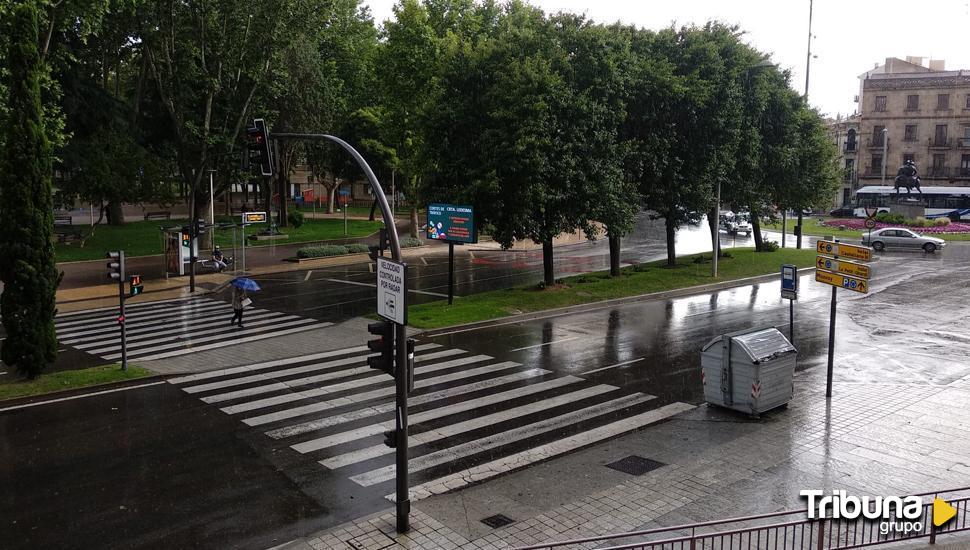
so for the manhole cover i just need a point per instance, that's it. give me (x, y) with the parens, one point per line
(498, 520)
(635, 465)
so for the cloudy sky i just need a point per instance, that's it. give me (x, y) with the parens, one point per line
(850, 36)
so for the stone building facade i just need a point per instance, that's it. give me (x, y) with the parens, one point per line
(923, 112)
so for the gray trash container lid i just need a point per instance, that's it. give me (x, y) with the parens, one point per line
(759, 344)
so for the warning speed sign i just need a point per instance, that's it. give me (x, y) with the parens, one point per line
(870, 223)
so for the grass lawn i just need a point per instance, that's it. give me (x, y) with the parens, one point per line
(635, 280)
(71, 379)
(143, 238)
(810, 226)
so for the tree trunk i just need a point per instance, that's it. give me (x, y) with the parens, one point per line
(414, 221)
(116, 215)
(331, 199)
(283, 179)
(798, 228)
(614, 255)
(759, 244)
(373, 208)
(671, 242)
(548, 266)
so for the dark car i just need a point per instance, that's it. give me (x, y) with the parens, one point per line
(843, 212)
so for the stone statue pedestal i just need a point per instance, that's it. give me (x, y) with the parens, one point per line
(910, 208)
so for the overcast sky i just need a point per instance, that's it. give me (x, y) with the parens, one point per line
(850, 36)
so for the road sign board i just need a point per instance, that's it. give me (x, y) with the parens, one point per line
(452, 223)
(843, 267)
(842, 281)
(844, 250)
(870, 223)
(789, 282)
(392, 290)
(254, 217)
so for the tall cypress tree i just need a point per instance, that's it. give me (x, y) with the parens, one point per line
(27, 265)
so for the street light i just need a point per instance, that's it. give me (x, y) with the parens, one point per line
(212, 208)
(885, 144)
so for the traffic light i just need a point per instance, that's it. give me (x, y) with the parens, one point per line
(186, 235)
(390, 438)
(199, 227)
(116, 265)
(136, 287)
(259, 146)
(383, 345)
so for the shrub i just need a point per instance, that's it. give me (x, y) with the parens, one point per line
(357, 248)
(321, 251)
(887, 217)
(410, 242)
(295, 218)
(769, 246)
(942, 221)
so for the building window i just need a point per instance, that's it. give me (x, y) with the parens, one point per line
(968, 101)
(875, 169)
(940, 137)
(965, 165)
(849, 169)
(877, 135)
(910, 133)
(939, 165)
(850, 140)
(880, 103)
(912, 102)
(942, 102)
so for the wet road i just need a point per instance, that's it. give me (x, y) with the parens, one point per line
(255, 456)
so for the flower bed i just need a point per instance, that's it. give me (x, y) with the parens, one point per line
(859, 225)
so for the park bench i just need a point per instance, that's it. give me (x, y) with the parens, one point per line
(160, 215)
(67, 233)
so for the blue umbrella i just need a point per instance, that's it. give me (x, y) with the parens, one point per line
(244, 283)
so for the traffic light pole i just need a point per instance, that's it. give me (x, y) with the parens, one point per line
(403, 502)
(122, 322)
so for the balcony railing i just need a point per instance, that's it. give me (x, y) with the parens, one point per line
(937, 172)
(875, 143)
(963, 143)
(964, 172)
(876, 171)
(851, 146)
(940, 143)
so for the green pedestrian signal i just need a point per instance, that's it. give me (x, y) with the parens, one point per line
(135, 287)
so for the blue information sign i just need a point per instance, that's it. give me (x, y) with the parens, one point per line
(789, 282)
(452, 223)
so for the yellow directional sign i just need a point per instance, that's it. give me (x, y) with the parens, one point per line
(843, 250)
(852, 269)
(943, 511)
(842, 281)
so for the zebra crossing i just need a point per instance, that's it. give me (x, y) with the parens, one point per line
(472, 416)
(168, 328)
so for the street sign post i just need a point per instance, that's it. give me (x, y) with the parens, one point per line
(831, 269)
(392, 290)
(247, 219)
(453, 224)
(789, 291)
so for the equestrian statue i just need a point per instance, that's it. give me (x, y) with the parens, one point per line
(908, 177)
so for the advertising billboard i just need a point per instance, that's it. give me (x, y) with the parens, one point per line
(452, 223)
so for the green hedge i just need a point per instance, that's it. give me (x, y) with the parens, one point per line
(321, 251)
(357, 248)
(410, 242)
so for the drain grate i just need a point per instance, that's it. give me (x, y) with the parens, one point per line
(498, 520)
(635, 465)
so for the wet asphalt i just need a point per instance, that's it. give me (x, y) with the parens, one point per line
(155, 467)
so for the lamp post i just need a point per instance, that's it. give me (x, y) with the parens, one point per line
(212, 209)
(885, 144)
(808, 67)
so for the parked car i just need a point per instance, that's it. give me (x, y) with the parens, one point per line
(901, 237)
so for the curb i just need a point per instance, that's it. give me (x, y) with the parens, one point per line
(593, 306)
(40, 398)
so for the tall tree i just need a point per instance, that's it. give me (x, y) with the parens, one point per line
(27, 266)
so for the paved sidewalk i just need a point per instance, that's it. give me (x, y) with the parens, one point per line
(870, 439)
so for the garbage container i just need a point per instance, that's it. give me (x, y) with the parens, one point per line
(751, 371)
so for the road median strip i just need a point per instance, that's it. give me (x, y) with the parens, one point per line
(61, 383)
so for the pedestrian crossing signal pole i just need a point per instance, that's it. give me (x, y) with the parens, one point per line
(116, 272)
(402, 377)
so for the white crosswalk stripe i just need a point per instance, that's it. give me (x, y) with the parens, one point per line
(470, 411)
(156, 330)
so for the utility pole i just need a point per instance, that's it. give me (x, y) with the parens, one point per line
(808, 68)
(716, 234)
(885, 146)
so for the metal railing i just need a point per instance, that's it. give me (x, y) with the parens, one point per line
(876, 142)
(791, 530)
(935, 143)
(963, 143)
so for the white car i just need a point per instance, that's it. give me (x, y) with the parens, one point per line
(736, 222)
(901, 237)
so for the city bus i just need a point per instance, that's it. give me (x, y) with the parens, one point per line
(952, 202)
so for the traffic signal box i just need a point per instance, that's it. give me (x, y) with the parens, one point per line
(258, 145)
(135, 287)
(186, 235)
(116, 265)
(384, 345)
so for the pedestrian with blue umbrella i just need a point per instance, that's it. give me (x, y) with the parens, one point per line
(240, 298)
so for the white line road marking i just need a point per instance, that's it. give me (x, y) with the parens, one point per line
(424, 260)
(467, 426)
(144, 314)
(265, 365)
(455, 408)
(506, 464)
(222, 338)
(500, 439)
(308, 273)
(354, 384)
(290, 372)
(630, 362)
(547, 343)
(232, 342)
(389, 392)
(187, 324)
(92, 394)
(141, 305)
